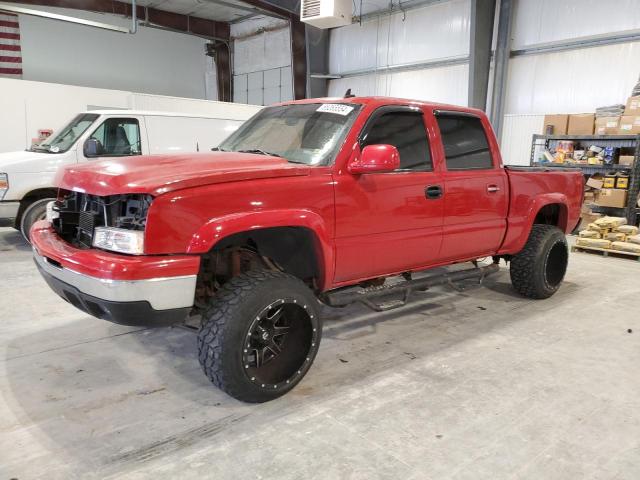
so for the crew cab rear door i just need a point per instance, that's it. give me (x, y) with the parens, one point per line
(390, 222)
(476, 197)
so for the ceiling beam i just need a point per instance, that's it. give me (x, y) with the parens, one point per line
(174, 21)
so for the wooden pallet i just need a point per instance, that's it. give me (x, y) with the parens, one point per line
(606, 251)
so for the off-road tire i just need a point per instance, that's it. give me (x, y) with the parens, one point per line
(226, 323)
(34, 212)
(538, 270)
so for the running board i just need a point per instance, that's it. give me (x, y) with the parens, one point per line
(342, 298)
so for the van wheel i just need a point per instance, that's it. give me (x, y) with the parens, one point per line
(34, 212)
(538, 270)
(259, 335)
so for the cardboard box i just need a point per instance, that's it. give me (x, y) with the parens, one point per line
(629, 125)
(612, 197)
(558, 122)
(607, 125)
(625, 159)
(581, 124)
(633, 106)
(595, 182)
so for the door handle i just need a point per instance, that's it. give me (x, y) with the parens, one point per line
(493, 188)
(433, 192)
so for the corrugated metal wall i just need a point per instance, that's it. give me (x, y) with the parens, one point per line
(262, 61)
(404, 41)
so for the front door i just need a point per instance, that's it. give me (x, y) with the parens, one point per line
(115, 137)
(390, 222)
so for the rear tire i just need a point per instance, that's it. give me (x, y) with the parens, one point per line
(538, 270)
(259, 335)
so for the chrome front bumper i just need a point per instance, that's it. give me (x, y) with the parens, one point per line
(161, 293)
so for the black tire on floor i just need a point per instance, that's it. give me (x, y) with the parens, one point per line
(538, 270)
(34, 212)
(233, 348)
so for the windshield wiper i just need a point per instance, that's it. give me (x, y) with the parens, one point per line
(218, 149)
(259, 152)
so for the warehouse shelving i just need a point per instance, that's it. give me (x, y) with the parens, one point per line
(540, 143)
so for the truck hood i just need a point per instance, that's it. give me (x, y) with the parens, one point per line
(158, 174)
(33, 162)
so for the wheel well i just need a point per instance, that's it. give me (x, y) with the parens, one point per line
(290, 249)
(33, 196)
(552, 214)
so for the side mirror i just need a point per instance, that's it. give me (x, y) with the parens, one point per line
(92, 148)
(376, 159)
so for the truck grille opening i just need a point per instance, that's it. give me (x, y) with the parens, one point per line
(80, 213)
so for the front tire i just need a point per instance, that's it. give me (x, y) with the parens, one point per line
(34, 212)
(259, 335)
(538, 270)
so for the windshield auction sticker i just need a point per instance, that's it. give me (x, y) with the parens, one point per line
(337, 108)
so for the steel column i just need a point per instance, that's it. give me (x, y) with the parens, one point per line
(482, 16)
(501, 69)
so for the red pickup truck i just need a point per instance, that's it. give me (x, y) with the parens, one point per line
(309, 202)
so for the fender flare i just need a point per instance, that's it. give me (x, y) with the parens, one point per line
(219, 228)
(518, 228)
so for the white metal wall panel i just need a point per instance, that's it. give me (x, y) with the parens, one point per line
(432, 32)
(517, 132)
(572, 81)
(444, 84)
(262, 62)
(262, 52)
(541, 21)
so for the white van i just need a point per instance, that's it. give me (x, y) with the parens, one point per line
(26, 178)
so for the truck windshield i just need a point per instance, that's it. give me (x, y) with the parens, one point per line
(65, 138)
(309, 133)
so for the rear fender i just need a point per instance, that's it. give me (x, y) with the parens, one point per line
(219, 228)
(521, 219)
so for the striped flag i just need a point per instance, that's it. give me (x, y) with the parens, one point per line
(10, 53)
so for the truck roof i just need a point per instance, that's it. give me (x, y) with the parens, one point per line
(382, 101)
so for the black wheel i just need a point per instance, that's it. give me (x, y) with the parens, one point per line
(538, 270)
(34, 212)
(260, 335)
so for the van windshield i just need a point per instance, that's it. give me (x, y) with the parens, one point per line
(65, 138)
(308, 133)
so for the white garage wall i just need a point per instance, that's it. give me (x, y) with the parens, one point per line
(28, 106)
(152, 60)
(572, 81)
(262, 61)
(444, 84)
(542, 21)
(432, 33)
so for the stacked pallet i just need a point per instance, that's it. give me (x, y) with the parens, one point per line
(611, 234)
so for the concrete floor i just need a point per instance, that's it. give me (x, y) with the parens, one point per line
(480, 385)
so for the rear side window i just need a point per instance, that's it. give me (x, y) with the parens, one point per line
(465, 142)
(406, 132)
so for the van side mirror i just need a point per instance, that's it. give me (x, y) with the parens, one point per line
(92, 148)
(376, 159)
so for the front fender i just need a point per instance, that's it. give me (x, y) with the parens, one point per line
(219, 228)
(522, 215)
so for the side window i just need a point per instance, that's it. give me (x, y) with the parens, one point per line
(465, 142)
(406, 132)
(118, 137)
